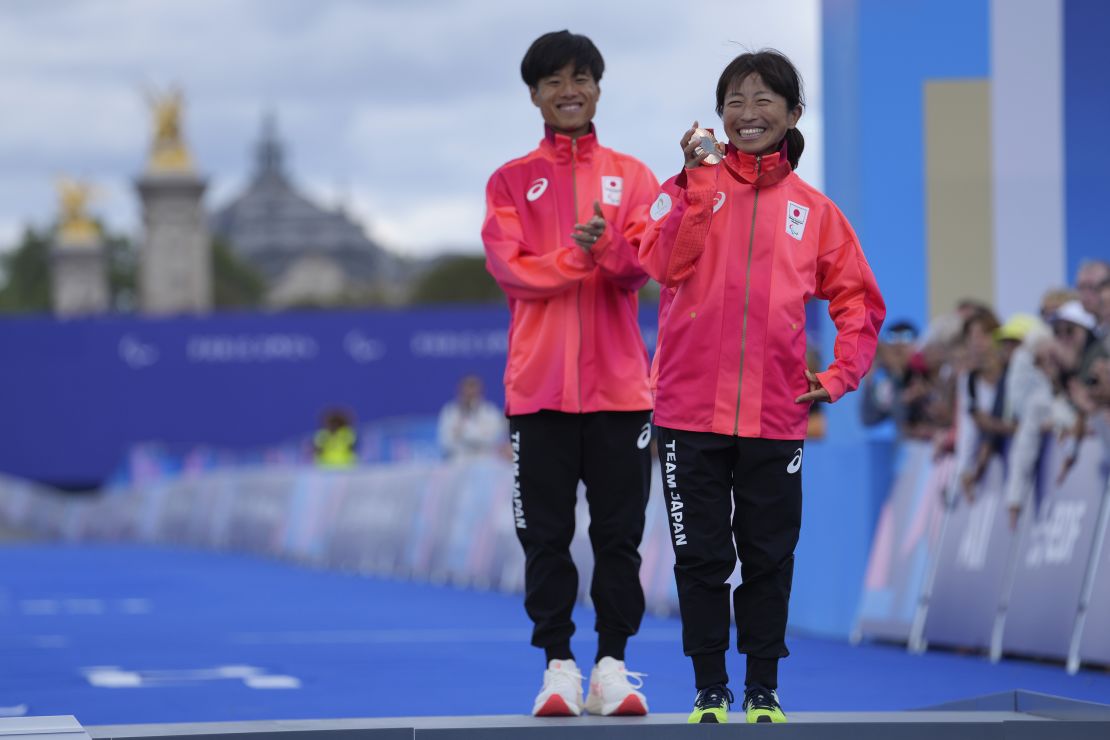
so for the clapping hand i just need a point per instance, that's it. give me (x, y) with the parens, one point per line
(586, 235)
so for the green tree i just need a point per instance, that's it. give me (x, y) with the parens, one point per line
(122, 267)
(26, 274)
(650, 292)
(26, 271)
(456, 279)
(235, 284)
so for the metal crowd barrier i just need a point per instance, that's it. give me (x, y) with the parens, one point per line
(947, 571)
(447, 522)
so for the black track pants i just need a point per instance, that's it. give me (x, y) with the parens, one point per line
(608, 451)
(704, 476)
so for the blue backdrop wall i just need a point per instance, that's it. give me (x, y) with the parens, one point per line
(75, 394)
(1086, 110)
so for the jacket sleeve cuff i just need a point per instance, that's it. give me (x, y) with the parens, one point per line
(601, 246)
(579, 259)
(701, 180)
(832, 382)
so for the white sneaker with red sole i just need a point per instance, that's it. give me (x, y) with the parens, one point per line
(561, 695)
(611, 691)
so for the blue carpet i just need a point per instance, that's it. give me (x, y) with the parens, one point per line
(361, 647)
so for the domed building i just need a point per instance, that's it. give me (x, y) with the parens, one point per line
(309, 255)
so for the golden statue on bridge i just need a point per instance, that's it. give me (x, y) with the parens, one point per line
(75, 226)
(168, 152)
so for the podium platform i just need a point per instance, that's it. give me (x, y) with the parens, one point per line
(63, 727)
(1009, 716)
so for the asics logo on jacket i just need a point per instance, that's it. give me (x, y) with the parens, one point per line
(538, 188)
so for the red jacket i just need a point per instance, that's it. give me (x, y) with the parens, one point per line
(740, 248)
(574, 340)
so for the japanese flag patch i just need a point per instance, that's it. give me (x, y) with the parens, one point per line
(611, 187)
(796, 215)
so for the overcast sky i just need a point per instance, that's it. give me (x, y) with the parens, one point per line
(400, 109)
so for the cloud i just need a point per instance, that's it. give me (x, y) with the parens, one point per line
(405, 107)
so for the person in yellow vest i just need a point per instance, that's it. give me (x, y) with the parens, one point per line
(334, 444)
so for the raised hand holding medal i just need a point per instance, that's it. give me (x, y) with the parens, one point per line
(699, 146)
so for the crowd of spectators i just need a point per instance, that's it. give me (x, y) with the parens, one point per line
(979, 386)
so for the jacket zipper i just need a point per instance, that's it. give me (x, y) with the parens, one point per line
(578, 297)
(747, 298)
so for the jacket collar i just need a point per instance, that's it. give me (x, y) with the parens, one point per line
(758, 171)
(560, 145)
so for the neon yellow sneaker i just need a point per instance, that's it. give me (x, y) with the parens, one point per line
(711, 706)
(762, 705)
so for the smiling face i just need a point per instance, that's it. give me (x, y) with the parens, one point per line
(755, 117)
(567, 100)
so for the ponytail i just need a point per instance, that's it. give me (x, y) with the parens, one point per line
(795, 143)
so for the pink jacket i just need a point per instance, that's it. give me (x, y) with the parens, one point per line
(574, 340)
(740, 248)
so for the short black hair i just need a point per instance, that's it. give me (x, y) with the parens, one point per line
(900, 332)
(553, 51)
